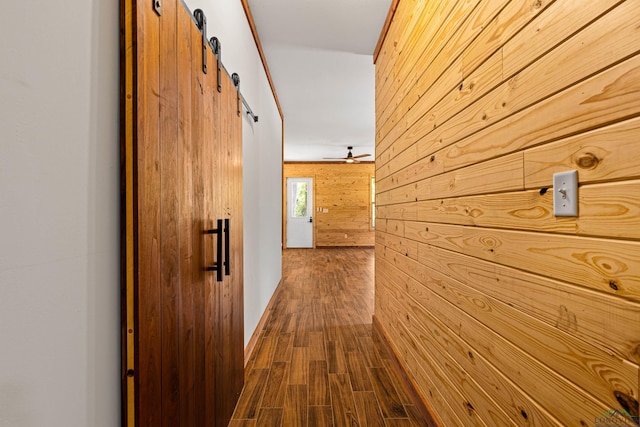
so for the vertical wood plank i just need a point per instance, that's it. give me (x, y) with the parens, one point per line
(200, 281)
(169, 238)
(236, 250)
(128, 227)
(230, 303)
(148, 364)
(188, 277)
(211, 137)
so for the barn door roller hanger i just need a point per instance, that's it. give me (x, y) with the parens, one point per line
(215, 46)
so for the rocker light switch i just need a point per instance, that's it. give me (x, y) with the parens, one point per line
(565, 193)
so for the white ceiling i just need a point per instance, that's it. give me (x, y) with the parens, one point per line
(320, 55)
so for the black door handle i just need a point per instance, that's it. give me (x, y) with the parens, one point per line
(227, 261)
(217, 266)
(310, 219)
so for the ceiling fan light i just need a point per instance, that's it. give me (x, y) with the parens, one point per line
(349, 160)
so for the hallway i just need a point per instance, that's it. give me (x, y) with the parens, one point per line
(316, 362)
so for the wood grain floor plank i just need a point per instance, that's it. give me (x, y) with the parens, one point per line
(284, 348)
(397, 383)
(368, 409)
(265, 352)
(371, 356)
(270, 417)
(319, 383)
(248, 404)
(276, 386)
(299, 366)
(336, 357)
(416, 418)
(358, 372)
(387, 395)
(344, 407)
(316, 346)
(320, 416)
(295, 406)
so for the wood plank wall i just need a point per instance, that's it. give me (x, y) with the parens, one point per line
(345, 191)
(500, 312)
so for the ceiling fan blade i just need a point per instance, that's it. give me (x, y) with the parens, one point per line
(360, 155)
(335, 158)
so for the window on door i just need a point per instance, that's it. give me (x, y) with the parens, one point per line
(300, 191)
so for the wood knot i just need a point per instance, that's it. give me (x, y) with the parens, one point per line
(470, 408)
(543, 191)
(433, 158)
(588, 161)
(627, 402)
(524, 414)
(613, 285)
(484, 117)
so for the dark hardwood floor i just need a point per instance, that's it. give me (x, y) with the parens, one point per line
(316, 362)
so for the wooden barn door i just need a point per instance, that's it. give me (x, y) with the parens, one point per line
(182, 223)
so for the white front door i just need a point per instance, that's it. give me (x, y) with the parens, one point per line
(299, 212)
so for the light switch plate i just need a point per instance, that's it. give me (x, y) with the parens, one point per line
(565, 193)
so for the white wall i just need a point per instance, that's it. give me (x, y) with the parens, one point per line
(59, 206)
(262, 156)
(59, 214)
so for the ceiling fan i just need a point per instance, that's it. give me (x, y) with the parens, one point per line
(350, 157)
